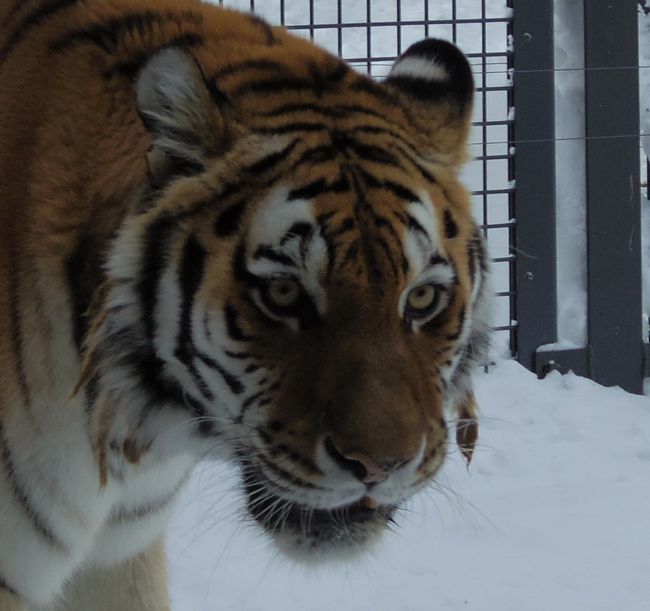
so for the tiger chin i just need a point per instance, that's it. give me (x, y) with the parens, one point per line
(219, 241)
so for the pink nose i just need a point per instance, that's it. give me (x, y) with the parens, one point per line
(362, 466)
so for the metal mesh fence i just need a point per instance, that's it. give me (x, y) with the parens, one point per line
(370, 35)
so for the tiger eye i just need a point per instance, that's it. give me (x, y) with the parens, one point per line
(283, 292)
(422, 297)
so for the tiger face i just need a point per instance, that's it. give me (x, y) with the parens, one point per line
(300, 288)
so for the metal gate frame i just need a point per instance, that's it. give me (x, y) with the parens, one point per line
(615, 353)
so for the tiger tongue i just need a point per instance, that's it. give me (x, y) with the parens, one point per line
(369, 503)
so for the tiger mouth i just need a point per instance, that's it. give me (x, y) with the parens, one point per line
(349, 525)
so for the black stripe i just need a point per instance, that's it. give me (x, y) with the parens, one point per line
(324, 217)
(376, 154)
(351, 253)
(141, 362)
(320, 186)
(461, 323)
(458, 91)
(190, 276)
(437, 259)
(228, 222)
(248, 181)
(319, 154)
(270, 161)
(233, 329)
(381, 222)
(330, 244)
(267, 252)
(295, 107)
(410, 155)
(238, 355)
(288, 477)
(297, 230)
(345, 109)
(154, 260)
(377, 91)
(251, 64)
(479, 243)
(235, 386)
(376, 130)
(271, 86)
(83, 272)
(239, 269)
(337, 112)
(21, 496)
(297, 458)
(288, 128)
(401, 191)
(324, 79)
(369, 180)
(349, 224)
(366, 240)
(451, 228)
(388, 252)
(471, 260)
(319, 83)
(250, 400)
(107, 35)
(266, 29)
(32, 21)
(414, 225)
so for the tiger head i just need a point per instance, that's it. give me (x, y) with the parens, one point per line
(300, 286)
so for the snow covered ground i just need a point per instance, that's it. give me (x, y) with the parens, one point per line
(553, 515)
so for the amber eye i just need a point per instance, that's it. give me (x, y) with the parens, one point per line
(422, 300)
(283, 292)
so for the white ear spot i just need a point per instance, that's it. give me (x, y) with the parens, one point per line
(421, 68)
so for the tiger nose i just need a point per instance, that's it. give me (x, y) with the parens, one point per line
(363, 467)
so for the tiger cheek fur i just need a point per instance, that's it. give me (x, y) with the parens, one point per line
(217, 240)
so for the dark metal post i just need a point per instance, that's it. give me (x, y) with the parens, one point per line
(534, 133)
(613, 193)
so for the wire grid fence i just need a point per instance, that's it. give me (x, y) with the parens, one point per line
(371, 34)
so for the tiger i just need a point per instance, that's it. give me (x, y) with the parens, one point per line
(219, 241)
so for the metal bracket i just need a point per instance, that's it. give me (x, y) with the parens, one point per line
(577, 360)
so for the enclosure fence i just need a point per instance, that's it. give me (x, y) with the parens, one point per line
(512, 175)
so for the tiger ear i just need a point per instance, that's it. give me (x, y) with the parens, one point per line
(435, 80)
(181, 112)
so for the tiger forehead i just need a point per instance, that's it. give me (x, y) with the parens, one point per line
(333, 228)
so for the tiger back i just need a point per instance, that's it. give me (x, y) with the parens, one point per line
(218, 240)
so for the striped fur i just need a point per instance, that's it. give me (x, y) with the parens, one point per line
(217, 240)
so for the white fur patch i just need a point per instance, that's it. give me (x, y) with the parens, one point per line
(416, 249)
(309, 258)
(421, 68)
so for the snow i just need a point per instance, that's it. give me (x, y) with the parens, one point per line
(552, 514)
(571, 219)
